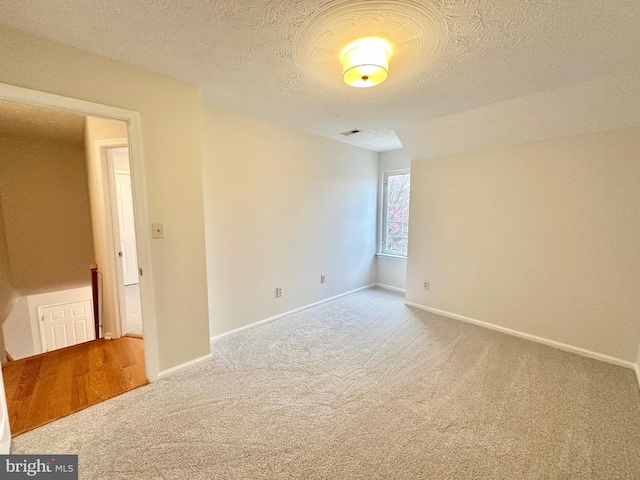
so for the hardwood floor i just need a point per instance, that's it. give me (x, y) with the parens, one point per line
(52, 385)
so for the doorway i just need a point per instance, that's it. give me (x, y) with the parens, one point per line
(148, 358)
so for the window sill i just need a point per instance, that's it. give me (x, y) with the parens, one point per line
(392, 257)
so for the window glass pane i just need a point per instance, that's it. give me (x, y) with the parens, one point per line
(395, 181)
(395, 244)
(396, 227)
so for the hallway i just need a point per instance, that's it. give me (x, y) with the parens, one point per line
(133, 309)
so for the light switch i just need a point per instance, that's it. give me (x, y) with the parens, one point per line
(157, 230)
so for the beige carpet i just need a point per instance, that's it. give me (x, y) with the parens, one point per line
(133, 308)
(364, 387)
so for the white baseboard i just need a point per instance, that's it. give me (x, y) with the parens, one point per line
(389, 287)
(534, 338)
(636, 367)
(276, 317)
(184, 366)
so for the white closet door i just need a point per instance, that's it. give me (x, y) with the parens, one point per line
(67, 324)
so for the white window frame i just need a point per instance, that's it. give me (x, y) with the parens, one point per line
(383, 213)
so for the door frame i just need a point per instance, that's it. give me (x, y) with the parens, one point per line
(101, 151)
(136, 161)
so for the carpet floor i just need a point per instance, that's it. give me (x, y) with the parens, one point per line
(133, 309)
(364, 387)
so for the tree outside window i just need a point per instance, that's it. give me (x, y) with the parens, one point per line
(395, 229)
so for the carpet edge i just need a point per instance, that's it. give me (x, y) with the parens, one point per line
(391, 288)
(259, 323)
(533, 338)
(184, 366)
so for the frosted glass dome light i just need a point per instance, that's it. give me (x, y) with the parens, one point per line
(365, 62)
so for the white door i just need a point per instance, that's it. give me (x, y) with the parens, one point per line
(66, 324)
(126, 223)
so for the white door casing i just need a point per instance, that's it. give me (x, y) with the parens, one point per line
(66, 324)
(48, 100)
(126, 224)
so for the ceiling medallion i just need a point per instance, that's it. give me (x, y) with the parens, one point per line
(416, 32)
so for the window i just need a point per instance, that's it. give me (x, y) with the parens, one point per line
(395, 213)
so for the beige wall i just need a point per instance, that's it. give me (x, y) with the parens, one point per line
(390, 271)
(169, 112)
(6, 289)
(282, 208)
(46, 240)
(8, 295)
(540, 238)
(44, 196)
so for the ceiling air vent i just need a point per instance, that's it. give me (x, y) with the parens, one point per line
(350, 132)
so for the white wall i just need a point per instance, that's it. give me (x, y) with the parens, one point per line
(605, 103)
(540, 238)
(282, 208)
(169, 115)
(390, 271)
(525, 213)
(18, 332)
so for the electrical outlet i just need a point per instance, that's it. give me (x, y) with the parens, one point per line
(278, 291)
(322, 279)
(425, 285)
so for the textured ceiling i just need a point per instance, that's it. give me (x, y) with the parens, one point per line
(242, 54)
(417, 31)
(24, 120)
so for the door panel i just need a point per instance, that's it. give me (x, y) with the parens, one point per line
(126, 223)
(67, 324)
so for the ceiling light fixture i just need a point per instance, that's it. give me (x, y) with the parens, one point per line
(365, 62)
